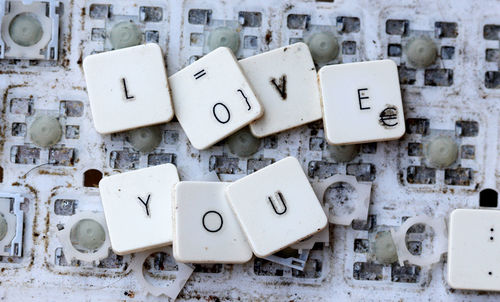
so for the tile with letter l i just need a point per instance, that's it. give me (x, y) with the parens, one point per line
(128, 88)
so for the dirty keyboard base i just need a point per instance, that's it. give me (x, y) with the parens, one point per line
(457, 97)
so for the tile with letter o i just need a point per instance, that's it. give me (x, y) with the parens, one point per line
(213, 99)
(206, 230)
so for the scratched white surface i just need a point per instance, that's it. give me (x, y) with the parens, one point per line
(36, 277)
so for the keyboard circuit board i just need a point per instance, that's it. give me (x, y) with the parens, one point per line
(457, 97)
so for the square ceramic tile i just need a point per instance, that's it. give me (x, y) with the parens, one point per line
(206, 230)
(474, 249)
(361, 102)
(213, 99)
(286, 83)
(138, 208)
(128, 88)
(276, 207)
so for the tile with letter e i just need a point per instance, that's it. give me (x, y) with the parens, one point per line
(213, 99)
(361, 102)
(474, 249)
(138, 208)
(128, 88)
(286, 83)
(276, 207)
(205, 228)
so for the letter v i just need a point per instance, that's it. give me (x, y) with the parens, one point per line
(281, 87)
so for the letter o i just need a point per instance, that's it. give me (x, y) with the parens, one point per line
(214, 223)
(218, 110)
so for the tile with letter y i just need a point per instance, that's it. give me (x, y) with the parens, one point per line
(138, 208)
